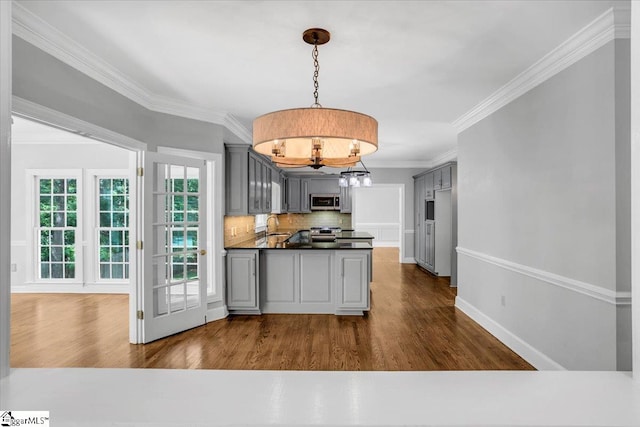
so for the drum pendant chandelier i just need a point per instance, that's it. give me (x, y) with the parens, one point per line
(315, 136)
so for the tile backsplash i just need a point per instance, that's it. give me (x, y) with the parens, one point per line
(238, 229)
(295, 222)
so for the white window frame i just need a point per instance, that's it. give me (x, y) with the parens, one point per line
(91, 177)
(33, 253)
(87, 246)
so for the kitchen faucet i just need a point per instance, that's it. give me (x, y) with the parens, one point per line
(277, 221)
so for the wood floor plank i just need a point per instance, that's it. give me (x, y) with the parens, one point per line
(412, 325)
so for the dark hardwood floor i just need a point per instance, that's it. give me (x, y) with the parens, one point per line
(412, 325)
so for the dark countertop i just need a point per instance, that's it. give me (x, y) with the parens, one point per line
(353, 235)
(278, 242)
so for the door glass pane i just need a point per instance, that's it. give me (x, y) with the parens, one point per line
(175, 234)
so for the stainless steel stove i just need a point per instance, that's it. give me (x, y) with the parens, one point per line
(324, 234)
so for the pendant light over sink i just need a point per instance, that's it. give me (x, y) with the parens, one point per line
(315, 136)
(355, 177)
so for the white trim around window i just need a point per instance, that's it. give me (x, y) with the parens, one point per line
(87, 245)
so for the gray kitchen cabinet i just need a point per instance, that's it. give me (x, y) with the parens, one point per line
(345, 200)
(242, 273)
(293, 195)
(284, 199)
(248, 181)
(352, 279)
(429, 245)
(428, 186)
(298, 195)
(297, 282)
(324, 184)
(435, 240)
(305, 200)
(418, 191)
(266, 188)
(442, 178)
(237, 180)
(255, 184)
(280, 272)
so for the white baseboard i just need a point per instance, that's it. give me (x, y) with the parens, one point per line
(386, 244)
(409, 260)
(217, 313)
(70, 289)
(535, 357)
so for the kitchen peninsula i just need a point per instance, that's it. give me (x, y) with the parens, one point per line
(296, 274)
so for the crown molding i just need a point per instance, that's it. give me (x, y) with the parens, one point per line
(39, 33)
(444, 158)
(400, 164)
(162, 104)
(612, 24)
(234, 126)
(415, 164)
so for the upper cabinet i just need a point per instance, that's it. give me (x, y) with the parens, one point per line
(248, 181)
(428, 187)
(345, 199)
(298, 195)
(249, 186)
(284, 199)
(293, 195)
(442, 178)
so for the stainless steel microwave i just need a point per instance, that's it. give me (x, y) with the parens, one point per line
(325, 202)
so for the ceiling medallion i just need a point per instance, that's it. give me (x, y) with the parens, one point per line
(315, 136)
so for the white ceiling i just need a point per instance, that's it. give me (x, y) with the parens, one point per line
(416, 66)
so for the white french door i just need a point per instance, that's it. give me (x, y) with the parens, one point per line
(174, 290)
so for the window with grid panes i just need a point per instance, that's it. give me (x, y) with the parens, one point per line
(57, 227)
(113, 228)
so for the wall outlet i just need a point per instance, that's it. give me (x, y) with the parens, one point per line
(503, 301)
(14, 268)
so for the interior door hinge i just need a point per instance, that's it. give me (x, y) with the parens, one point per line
(139, 244)
(140, 171)
(140, 314)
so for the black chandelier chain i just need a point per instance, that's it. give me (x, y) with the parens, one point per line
(316, 72)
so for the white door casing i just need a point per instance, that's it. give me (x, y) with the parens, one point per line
(174, 285)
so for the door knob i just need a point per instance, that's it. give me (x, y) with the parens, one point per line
(203, 251)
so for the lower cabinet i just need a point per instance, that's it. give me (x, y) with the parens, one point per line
(430, 245)
(243, 268)
(352, 280)
(298, 281)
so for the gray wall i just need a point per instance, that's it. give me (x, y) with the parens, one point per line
(401, 176)
(67, 90)
(543, 183)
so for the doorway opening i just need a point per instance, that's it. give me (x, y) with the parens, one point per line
(72, 212)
